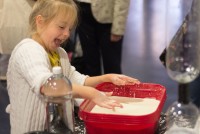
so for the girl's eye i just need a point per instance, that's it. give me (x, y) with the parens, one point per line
(70, 29)
(61, 27)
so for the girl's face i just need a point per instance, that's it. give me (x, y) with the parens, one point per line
(53, 34)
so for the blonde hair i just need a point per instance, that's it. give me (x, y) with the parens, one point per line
(49, 9)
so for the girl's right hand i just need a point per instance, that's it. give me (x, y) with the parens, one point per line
(103, 100)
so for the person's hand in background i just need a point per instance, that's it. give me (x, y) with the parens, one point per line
(115, 38)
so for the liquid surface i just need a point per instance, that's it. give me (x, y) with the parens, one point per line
(58, 99)
(131, 106)
(181, 131)
(184, 77)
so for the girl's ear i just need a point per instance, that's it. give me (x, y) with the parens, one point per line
(39, 21)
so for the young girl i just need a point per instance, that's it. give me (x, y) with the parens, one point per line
(32, 60)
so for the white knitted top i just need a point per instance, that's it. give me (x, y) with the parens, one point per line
(29, 67)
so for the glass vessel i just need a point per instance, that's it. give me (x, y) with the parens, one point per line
(182, 63)
(182, 115)
(59, 108)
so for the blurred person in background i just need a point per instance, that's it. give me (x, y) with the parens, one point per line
(13, 27)
(101, 28)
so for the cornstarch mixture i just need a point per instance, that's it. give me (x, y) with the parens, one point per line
(131, 106)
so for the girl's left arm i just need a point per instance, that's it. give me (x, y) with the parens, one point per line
(117, 79)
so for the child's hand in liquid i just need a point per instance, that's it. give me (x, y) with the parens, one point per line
(103, 100)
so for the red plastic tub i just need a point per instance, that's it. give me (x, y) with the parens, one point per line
(124, 124)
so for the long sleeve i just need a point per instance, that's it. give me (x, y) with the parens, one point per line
(111, 11)
(70, 71)
(120, 15)
(27, 71)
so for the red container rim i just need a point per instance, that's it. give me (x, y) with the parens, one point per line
(142, 90)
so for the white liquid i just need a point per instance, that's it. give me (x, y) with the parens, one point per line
(59, 99)
(181, 131)
(183, 77)
(131, 106)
